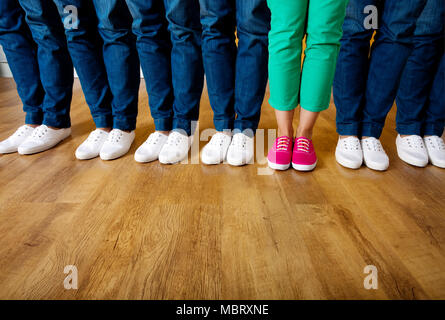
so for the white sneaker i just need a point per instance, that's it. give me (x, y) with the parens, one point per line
(374, 155)
(91, 147)
(240, 150)
(117, 144)
(412, 150)
(149, 151)
(349, 153)
(215, 151)
(12, 144)
(436, 150)
(176, 148)
(42, 139)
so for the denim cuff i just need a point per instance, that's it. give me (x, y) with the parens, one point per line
(242, 125)
(409, 129)
(103, 121)
(60, 122)
(348, 129)
(372, 130)
(433, 129)
(165, 124)
(124, 124)
(34, 118)
(183, 125)
(221, 125)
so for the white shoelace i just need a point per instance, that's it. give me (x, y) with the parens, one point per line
(218, 139)
(350, 144)
(373, 144)
(175, 139)
(95, 136)
(435, 142)
(240, 141)
(39, 132)
(414, 142)
(153, 139)
(21, 131)
(115, 136)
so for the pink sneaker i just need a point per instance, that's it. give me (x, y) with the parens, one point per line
(280, 155)
(304, 157)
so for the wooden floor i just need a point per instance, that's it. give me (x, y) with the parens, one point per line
(148, 231)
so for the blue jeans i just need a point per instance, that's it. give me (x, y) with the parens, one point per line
(416, 114)
(85, 46)
(35, 46)
(365, 88)
(186, 59)
(236, 77)
(154, 48)
(121, 60)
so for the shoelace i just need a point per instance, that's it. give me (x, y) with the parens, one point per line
(175, 138)
(435, 142)
(218, 139)
(153, 138)
(94, 136)
(240, 141)
(115, 136)
(39, 132)
(283, 143)
(303, 145)
(415, 142)
(373, 144)
(350, 144)
(21, 131)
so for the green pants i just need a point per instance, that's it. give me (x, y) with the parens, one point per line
(310, 85)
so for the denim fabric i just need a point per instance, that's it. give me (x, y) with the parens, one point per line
(121, 60)
(85, 46)
(154, 48)
(46, 59)
(415, 113)
(435, 107)
(236, 76)
(21, 52)
(186, 59)
(365, 88)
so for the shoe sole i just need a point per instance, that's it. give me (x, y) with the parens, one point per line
(303, 167)
(375, 167)
(276, 166)
(28, 153)
(347, 164)
(409, 160)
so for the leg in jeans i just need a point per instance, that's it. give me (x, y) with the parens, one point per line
(85, 47)
(56, 69)
(121, 60)
(253, 25)
(219, 54)
(418, 75)
(154, 47)
(352, 69)
(187, 68)
(435, 107)
(21, 52)
(391, 49)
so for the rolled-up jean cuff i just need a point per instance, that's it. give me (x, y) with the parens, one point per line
(59, 122)
(243, 125)
(34, 118)
(348, 129)
(163, 124)
(183, 125)
(372, 130)
(124, 124)
(103, 121)
(222, 125)
(409, 129)
(434, 129)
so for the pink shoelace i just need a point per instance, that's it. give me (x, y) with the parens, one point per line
(303, 145)
(283, 143)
